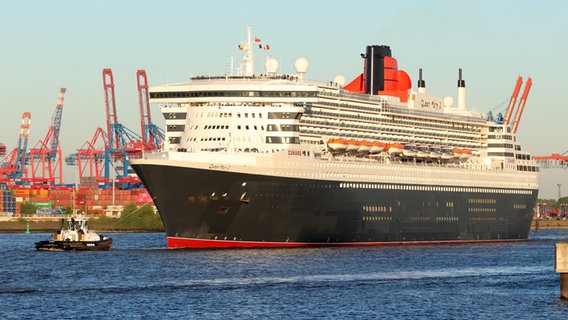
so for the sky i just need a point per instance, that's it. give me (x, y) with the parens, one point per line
(46, 45)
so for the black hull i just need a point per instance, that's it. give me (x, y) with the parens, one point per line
(210, 208)
(53, 245)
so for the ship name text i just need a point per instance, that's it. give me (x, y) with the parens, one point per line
(295, 153)
(219, 167)
(434, 105)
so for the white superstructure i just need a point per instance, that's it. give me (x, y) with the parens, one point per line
(285, 125)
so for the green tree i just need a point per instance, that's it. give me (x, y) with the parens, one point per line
(551, 203)
(68, 211)
(28, 209)
(140, 217)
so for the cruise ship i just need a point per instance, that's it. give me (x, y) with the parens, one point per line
(277, 160)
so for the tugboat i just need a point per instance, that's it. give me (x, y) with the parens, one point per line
(76, 237)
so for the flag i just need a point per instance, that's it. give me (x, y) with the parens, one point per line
(240, 47)
(256, 39)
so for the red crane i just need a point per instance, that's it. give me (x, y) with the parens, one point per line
(45, 157)
(513, 100)
(554, 160)
(152, 136)
(521, 105)
(110, 107)
(119, 137)
(14, 164)
(122, 142)
(90, 158)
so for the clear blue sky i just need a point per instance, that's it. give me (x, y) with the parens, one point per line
(51, 44)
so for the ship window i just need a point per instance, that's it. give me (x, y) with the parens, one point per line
(175, 115)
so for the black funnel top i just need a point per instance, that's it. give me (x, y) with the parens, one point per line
(374, 73)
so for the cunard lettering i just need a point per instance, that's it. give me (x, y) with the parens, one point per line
(294, 152)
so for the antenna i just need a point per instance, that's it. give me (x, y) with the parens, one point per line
(248, 57)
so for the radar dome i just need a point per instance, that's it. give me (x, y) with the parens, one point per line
(271, 65)
(448, 102)
(340, 80)
(301, 65)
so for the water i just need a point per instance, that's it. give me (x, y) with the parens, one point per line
(141, 279)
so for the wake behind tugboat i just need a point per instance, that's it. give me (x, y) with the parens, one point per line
(76, 237)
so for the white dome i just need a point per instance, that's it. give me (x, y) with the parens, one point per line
(301, 65)
(340, 80)
(271, 65)
(448, 102)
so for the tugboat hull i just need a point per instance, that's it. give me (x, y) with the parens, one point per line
(53, 245)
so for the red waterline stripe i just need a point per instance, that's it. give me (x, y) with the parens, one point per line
(192, 243)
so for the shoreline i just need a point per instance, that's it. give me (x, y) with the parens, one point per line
(49, 224)
(549, 224)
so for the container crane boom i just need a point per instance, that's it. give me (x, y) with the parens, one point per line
(14, 165)
(521, 105)
(143, 100)
(23, 144)
(110, 107)
(122, 142)
(46, 154)
(513, 100)
(56, 120)
(152, 136)
(554, 160)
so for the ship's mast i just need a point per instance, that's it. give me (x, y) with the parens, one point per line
(248, 57)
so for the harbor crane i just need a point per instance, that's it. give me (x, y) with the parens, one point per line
(521, 107)
(122, 142)
(553, 161)
(13, 165)
(152, 135)
(90, 158)
(45, 157)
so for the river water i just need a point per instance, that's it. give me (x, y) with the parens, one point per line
(140, 279)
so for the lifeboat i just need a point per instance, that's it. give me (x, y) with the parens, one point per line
(435, 152)
(423, 151)
(466, 153)
(409, 150)
(377, 147)
(395, 148)
(457, 153)
(447, 153)
(337, 144)
(353, 145)
(364, 146)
